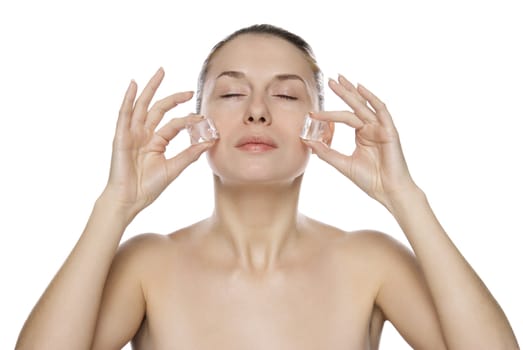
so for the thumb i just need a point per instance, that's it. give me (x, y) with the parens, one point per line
(183, 159)
(338, 160)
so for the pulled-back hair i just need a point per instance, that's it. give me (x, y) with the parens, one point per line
(265, 29)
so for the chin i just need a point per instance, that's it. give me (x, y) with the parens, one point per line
(263, 183)
(258, 172)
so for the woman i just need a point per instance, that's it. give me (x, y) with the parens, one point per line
(256, 273)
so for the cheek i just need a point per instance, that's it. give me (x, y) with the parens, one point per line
(227, 128)
(224, 116)
(292, 125)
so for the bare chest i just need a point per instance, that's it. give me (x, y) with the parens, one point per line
(314, 307)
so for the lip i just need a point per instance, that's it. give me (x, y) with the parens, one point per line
(254, 143)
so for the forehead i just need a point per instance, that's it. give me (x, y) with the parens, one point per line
(255, 54)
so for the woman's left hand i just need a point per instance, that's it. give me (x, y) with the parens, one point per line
(377, 165)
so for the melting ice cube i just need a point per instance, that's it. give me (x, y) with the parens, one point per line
(315, 130)
(202, 131)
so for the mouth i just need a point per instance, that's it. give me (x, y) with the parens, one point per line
(256, 144)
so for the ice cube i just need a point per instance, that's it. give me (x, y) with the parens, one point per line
(316, 130)
(202, 131)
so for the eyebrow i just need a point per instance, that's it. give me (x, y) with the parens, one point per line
(232, 74)
(279, 77)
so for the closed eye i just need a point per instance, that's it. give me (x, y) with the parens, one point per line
(231, 95)
(287, 97)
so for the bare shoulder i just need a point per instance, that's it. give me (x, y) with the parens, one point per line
(381, 251)
(389, 270)
(153, 243)
(124, 303)
(141, 247)
(375, 259)
(142, 241)
(381, 246)
(370, 245)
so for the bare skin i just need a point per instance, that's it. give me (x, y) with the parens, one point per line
(321, 294)
(257, 274)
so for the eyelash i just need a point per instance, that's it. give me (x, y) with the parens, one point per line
(231, 95)
(286, 97)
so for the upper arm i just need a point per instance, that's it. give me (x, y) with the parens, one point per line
(123, 305)
(404, 297)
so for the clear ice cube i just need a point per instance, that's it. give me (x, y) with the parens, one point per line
(202, 131)
(315, 130)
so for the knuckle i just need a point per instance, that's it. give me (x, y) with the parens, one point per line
(194, 152)
(158, 107)
(360, 108)
(123, 111)
(380, 105)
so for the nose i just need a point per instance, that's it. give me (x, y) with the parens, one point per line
(257, 113)
(256, 119)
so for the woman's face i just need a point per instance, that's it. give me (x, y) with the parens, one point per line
(258, 90)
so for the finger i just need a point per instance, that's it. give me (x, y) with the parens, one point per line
(359, 108)
(126, 109)
(183, 159)
(142, 104)
(381, 109)
(173, 127)
(349, 86)
(159, 109)
(345, 117)
(333, 157)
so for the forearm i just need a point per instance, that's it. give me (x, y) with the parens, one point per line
(470, 317)
(66, 314)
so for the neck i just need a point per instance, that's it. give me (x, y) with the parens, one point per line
(257, 221)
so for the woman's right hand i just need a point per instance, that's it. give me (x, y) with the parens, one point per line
(139, 170)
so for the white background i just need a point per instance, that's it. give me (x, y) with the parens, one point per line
(451, 74)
